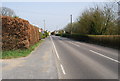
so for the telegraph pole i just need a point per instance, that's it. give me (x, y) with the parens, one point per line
(118, 8)
(71, 23)
(118, 15)
(44, 25)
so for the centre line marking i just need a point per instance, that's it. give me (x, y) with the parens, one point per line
(74, 44)
(55, 48)
(105, 56)
(62, 69)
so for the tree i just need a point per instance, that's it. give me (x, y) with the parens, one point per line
(97, 21)
(4, 11)
(68, 28)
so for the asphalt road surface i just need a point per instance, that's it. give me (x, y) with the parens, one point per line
(79, 60)
(40, 64)
(62, 58)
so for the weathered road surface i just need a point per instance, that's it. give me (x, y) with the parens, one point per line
(38, 65)
(63, 58)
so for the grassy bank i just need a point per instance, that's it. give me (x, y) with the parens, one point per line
(19, 53)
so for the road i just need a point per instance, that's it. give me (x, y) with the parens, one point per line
(40, 64)
(79, 60)
(62, 58)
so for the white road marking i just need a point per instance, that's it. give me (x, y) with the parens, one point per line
(55, 48)
(99, 54)
(74, 44)
(62, 69)
(105, 56)
(58, 56)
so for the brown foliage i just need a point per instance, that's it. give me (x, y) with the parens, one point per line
(18, 33)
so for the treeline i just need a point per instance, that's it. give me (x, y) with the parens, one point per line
(95, 25)
(95, 21)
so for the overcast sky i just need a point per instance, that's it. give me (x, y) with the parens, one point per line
(56, 14)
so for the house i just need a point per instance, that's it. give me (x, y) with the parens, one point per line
(41, 30)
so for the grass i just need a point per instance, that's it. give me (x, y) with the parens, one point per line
(19, 53)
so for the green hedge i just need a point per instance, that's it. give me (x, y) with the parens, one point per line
(57, 34)
(105, 40)
(43, 35)
(79, 37)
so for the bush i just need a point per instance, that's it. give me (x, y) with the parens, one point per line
(45, 33)
(57, 34)
(105, 40)
(76, 36)
(65, 35)
(42, 35)
(15, 16)
(18, 33)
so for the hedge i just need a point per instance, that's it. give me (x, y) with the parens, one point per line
(105, 40)
(57, 34)
(79, 37)
(18, 33)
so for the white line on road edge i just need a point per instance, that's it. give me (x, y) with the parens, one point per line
(55, 48)
(105, 56)
(58, 56)
(62, 69)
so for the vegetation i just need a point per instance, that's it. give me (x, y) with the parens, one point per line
(43, 35)
(105, 40)
(7, 12)
(95, 21)
(95, 25)
(58, 34)
(15, 16)
(19, 53)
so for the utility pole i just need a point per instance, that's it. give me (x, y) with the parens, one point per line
(118, 8)
(118, 15)
(44, 25)
(71, 23)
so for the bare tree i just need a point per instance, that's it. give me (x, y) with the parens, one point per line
(4, 11)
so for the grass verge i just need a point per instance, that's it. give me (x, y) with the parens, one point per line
(19, 53)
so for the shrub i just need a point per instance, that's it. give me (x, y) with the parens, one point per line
(105, 40)
(76, 36)
(57, 34)
(18, 33)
